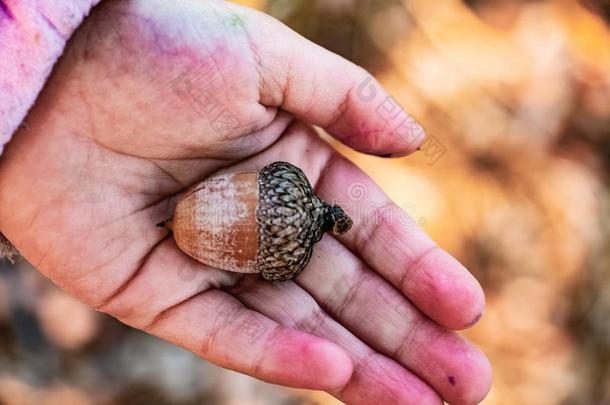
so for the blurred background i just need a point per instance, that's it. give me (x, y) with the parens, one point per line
(514, 180)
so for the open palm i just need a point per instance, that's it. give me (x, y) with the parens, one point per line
(154, 96)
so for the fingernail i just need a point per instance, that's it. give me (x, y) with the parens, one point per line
(474, 321)
(411, 131)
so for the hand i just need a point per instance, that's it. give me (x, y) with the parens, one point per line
(152, 97)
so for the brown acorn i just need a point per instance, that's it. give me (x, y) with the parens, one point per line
(263, 222)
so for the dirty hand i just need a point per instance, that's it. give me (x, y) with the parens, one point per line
(154, 96)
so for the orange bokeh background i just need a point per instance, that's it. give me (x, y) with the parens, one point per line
(514, 181)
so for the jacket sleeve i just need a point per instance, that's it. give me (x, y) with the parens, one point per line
(33, 34)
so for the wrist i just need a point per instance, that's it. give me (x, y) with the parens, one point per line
(33, 37)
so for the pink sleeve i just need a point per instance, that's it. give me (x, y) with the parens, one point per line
(33, 34)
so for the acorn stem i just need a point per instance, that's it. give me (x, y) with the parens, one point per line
(167, 224)
(336, 220)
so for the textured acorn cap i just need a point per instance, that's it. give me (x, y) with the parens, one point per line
(291, 219)
(266, 222)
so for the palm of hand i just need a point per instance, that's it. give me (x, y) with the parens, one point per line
(144, 105)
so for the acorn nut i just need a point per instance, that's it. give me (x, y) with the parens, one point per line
(263, 222)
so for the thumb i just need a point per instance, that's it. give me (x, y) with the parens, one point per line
(324, 89)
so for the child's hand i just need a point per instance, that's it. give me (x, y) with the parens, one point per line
(153, 96)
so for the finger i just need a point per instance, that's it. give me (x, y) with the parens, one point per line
(324, 89)
(382, 234)
(164, 300)
(218, 328)
(387, 239)
(376, 378)
(379, 315)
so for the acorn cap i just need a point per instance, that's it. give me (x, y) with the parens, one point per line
(291, 219)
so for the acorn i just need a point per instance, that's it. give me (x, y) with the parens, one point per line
(263, 222)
